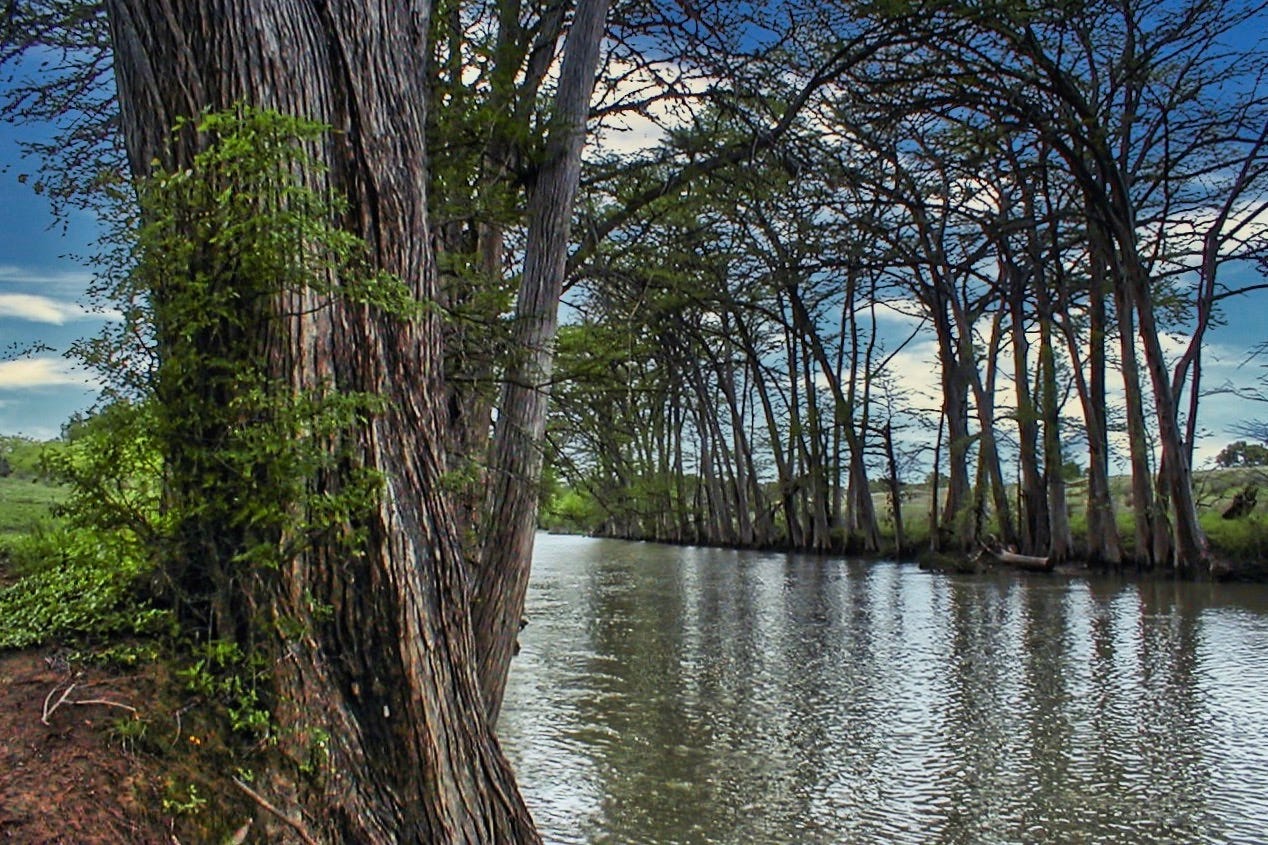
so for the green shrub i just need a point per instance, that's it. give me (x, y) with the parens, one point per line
(1240, 541)
(79, 584)
(571, 510)
(79, 569)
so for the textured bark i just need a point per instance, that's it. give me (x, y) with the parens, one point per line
(388, 675)
(1137, 437)
(1104, 545)
(501, 579)
(1059, 538)
(1034, 504)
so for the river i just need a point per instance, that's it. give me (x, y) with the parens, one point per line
(688, 695)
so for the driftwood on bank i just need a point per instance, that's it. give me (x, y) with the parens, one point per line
(990, 553)
(1030, 563)
(994, 552)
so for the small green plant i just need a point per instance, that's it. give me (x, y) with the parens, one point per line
(183, 800)
(130, 732)
(221, 672)
(318, 753)
(125, 654)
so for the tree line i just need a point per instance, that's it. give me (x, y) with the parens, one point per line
(1044, 195)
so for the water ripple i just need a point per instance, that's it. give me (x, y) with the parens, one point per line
(668, 695)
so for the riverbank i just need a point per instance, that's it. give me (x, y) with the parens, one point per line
(1239, 544)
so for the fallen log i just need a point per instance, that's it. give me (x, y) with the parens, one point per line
(1030, 563)
(994, 551)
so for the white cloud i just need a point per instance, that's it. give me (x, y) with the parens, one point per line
(78, 279)
(640, 102)
(916, 372)
(43, 309)
(29, 373)
(905, 312)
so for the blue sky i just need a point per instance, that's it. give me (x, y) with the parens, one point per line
(41, 301)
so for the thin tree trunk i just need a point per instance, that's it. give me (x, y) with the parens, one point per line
(1142, 491)
(501, 581)
(935, 526)
(1058, 519)
(1104, 546)
(862, 516)
(895, 488)
(1034, 515)
(783, 461)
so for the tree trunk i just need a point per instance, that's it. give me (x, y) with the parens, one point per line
(1142, 492)
(814, 444)
(1059, 539)
(989, 469)
(387, 672)
(955, 410)
(501, 581)
(1034, 512)
(1190, 549)
(1104, 546)
(861, 522)
(783, 460)
(895, 488)
(935, 524)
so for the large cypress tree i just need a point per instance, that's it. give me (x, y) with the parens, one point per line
(372, 640)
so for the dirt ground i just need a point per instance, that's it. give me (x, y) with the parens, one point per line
(69, 776)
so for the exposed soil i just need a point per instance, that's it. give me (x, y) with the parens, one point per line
(71, 776)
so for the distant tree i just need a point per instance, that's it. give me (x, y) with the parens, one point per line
(1243, 454)
(20, 456)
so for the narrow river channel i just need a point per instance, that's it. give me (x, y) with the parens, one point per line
(685, 695)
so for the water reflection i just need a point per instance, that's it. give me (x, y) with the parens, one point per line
(678, 695)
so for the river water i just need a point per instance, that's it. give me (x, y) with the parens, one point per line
(686, 695)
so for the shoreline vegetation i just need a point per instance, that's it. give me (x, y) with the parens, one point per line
(30, 499)
(1239, 543)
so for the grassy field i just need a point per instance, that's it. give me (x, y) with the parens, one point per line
(25, 502)
(25, 495)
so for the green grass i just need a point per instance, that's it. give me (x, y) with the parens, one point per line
(1244, 540)
(24, 504)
